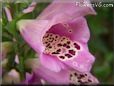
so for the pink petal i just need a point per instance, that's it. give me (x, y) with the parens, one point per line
(83, 61)
(79, 30)
(52, 77)
(64, 76)
(69, 10)
(31, 79)
(52, 63)
(30, 8)
(8, 14)
(33, 31)
(28, 77)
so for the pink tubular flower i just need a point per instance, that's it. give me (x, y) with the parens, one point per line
(63, 77)
(67, 76)
(60, 35)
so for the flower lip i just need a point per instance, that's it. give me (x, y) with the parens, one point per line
(82, 78)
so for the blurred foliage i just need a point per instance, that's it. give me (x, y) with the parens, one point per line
(100, 44)
(11, 33)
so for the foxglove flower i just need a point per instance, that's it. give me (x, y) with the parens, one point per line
(60, 35)
(68, 76)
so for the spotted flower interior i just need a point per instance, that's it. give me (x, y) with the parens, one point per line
(81, 78)
(61, 47)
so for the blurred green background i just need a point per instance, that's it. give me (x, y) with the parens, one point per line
(100, 43)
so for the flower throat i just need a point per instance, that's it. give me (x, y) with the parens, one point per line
(60, 46)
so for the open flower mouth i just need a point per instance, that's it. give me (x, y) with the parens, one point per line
(61, 47)
(61, 42)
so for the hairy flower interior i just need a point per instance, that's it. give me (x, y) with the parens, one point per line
(80, 78)
(60, 46)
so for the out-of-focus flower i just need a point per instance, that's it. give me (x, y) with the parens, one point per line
(11, 77)
(6, 48)
(30, 8)
(8, 14)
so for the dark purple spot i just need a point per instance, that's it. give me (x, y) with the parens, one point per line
(75, 74)
(56, 36)
(50, 46)
(79, 80)
(63, 38)
(68, 42)
(62, 57)
(64, 45)
(81, 75)
(46, 42)
(89, 80)
(72, 52)
(85, 74)
(67, 46)
(59, 50)
(59, 45)
(70, 31)
(68, 55)
(71, 75)
(55, 53)
(77, 46)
